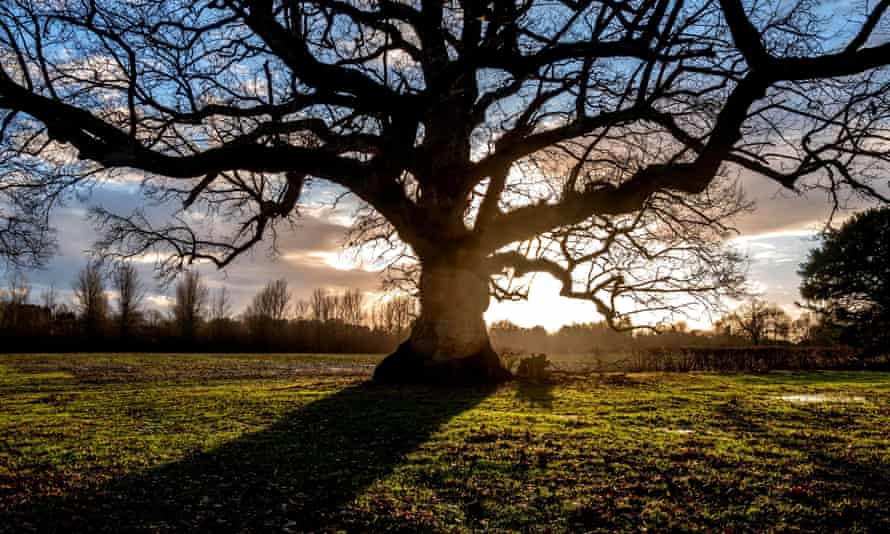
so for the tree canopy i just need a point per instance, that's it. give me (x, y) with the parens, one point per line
(847, 278)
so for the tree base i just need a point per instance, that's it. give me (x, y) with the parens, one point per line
(407, 366)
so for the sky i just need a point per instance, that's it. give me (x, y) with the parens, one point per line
(776, 236)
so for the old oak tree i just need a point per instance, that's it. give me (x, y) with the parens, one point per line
(596, 141)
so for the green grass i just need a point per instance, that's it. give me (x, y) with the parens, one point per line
(284, 443)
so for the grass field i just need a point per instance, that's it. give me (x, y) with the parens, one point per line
(287, 443)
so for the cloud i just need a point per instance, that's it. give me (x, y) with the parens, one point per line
(310, 254)
(775, 260)
(777, 236)
(779, 211)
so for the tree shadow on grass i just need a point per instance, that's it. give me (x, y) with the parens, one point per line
(815, 378)
(862, 482)
(298, 473)
(535, 393)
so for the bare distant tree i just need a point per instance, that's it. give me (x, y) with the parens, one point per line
(803, 328)
(220, 305)
(347, 307)
(130, 293)
(321, 306)
(18, 289)
(759, 320)
(303, 309)
(155, 319)
(272, 302)
(594, 141)
(268, 307)
(13, 299)
(220, 314)
(395, 314)
(350, 306)
(50, 299)
(90, 298)
(189, 303)
(779, 325)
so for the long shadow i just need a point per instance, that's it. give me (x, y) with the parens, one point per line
(839, 476)
(297, 474)
(535, 393)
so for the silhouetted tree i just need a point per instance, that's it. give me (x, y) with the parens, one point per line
(13, 300)
(154, 319)
(486, 140)
(273, 301)
(349, 307)
(130, 293)
(50, 298)
(321, 306)
(18, 288)
(757, 320)
(188, 305)
(847, 279)
(268, 307)
(803, 327)
(221, 325)
(395, 314)
(778, 323)
(90, 299)
(220, 305)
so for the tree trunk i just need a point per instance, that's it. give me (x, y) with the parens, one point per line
(449, 342)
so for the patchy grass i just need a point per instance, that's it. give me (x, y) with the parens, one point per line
(300, 443)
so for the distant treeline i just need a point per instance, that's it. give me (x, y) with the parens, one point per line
(765, 325)
(749, 359)
(108, 313)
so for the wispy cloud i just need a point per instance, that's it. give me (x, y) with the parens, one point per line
(776, 236)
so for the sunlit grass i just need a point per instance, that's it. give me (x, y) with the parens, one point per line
(234, 442)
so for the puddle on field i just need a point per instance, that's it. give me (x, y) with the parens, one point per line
(332, 370)
(684, 431)
(814, 398)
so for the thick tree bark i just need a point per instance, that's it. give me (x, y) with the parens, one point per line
(449, 342)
